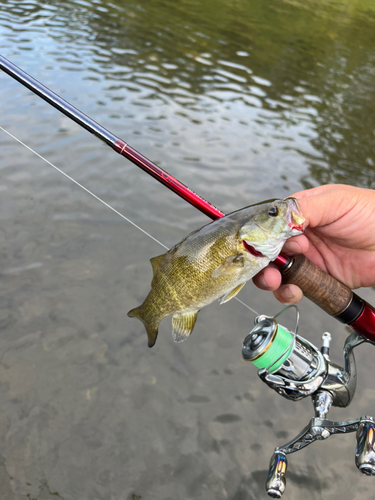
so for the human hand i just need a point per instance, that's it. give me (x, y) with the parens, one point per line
(339, 238)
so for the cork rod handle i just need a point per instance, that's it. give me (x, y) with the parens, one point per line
(325, 291)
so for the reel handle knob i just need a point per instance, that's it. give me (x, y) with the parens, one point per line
(276, 481)
(365, 452)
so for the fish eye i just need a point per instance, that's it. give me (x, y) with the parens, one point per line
(273, 212)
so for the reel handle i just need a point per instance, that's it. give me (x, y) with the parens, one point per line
(276, 481)
(365, 452)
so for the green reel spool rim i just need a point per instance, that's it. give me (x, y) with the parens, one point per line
(266, 343)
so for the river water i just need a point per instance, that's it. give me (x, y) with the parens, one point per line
(241, 101)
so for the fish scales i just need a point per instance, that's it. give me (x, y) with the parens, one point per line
(186, 272)
(213, 262)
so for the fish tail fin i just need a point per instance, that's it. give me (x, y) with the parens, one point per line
(152, 326)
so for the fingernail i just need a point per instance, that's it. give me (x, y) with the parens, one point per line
(287, 293)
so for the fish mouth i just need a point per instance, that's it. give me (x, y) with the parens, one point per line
(296, 221)
(251, 249)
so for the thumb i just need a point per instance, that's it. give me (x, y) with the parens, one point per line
(326, 204)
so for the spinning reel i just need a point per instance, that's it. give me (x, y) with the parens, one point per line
(295, 369)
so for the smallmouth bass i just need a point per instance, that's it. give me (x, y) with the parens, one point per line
(214, 262)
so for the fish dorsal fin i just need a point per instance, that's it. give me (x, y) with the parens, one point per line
(231, 294)
(230, 264)
(155, 262)
(182, 325)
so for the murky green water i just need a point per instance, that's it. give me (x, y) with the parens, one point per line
(241, 101)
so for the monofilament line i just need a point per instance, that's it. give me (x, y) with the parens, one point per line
(99, 199)
(83, 187)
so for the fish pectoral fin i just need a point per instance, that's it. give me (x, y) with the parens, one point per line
(182, 325)
(230, 264)
(231, 294)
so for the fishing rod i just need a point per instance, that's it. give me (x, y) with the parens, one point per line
(329, 294)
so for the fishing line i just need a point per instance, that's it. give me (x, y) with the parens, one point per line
(101, 201)
(83, 187)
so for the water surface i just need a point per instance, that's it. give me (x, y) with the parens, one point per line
(241, 101)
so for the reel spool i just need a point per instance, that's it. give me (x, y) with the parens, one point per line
(273, 348)
(268, 345)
